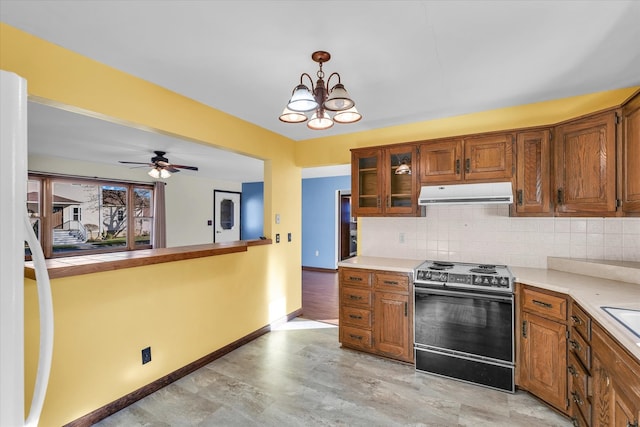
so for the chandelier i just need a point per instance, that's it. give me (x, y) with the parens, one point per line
(317, 104)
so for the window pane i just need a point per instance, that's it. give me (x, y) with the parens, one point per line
(113, 227)
(143, 214)
(226, 214)
(88, 217)
(33, 208)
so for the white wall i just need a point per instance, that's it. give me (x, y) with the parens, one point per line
(487, 234)
(189, 199)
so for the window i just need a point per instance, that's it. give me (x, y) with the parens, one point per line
(89, 216)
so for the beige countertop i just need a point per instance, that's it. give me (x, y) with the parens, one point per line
(591, 290)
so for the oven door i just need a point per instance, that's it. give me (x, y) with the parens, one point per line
(476, 325)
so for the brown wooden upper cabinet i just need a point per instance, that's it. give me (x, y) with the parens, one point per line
(376, 188)
(480, 158)
(533, 174)
(631, 156)
(585, 166)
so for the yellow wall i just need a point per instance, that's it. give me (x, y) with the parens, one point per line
(183, 310)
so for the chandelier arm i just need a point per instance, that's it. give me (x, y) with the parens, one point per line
(329, 79)
(310, 80)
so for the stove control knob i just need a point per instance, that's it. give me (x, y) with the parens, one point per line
(486, 280)
(504, 282)
(494, 281)
(477, 280)
(443, 277)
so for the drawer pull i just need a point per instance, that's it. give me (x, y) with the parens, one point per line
(575, 345)
(356, 297)
(390, 282)
(576, 398)
(574, 421)
(542, 304)
(576, 320)
(355, 316)
(356, 337)
(355, 278)
(572, 371)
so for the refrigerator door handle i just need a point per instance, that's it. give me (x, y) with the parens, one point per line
(45, 303)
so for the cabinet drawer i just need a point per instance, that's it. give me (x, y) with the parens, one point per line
(353, 316)
(355, 277)
(545, 305)
(580, 408)
(355, 297)
(581, 322)
(577, 417)
(580, 348)
(578, 376)
(355, 337)
(391, 282)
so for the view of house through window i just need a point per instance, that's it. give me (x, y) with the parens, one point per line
(90, 216)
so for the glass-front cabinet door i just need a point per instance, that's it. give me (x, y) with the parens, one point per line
(366, 185)
(401, 184)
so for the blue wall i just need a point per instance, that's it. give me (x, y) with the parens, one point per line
(252, 210)
(319, 220)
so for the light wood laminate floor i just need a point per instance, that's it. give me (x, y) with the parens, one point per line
(298, 375)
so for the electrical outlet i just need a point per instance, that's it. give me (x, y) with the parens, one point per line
(289, 237)
(317, 252)
(401, 237)
(278, 238)
(146, 355)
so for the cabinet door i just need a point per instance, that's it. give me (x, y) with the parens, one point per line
(585, 165)
(488, 157)
(391, 325)
(533, 186)
(543, 359)
(400, 189)
(441, 161)
(366, 182)
(611, 407)
(631, 156)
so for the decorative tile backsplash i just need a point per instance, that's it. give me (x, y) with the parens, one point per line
(486, 234)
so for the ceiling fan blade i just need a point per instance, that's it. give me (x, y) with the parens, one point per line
(191, 168)
(171, 169)
(136, 163)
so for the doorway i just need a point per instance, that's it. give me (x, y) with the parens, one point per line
(226, 216)
(348, 229)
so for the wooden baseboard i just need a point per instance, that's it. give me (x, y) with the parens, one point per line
(321, 270)
(113, 407)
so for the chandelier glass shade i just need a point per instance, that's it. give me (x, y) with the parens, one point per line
(315, 105)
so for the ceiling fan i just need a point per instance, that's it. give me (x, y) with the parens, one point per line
(160, 166)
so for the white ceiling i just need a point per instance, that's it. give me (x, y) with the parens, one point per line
(401, 61)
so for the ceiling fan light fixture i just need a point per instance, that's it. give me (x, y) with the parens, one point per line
(347, 116)
(164, 173)
(154, 173)
(339, 99)
(302, 100)
(320, 99)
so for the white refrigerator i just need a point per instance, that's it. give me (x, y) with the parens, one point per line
(15, 229)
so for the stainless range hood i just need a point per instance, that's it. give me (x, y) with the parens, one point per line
(466, 194)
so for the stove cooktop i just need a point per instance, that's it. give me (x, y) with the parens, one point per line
(464, 275)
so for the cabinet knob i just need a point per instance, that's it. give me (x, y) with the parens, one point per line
(467, 165)
(457, 166)
(560, 196)
(576, 320)
(520, 197)
(574, 345)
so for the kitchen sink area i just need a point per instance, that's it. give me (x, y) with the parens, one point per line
(628, 317)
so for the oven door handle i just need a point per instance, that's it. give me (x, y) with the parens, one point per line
(423, 291)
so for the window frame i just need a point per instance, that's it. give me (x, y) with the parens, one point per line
(46, 208)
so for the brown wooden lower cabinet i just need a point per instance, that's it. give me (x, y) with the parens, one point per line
(376, 312)
(616, 383)
(574, 366)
